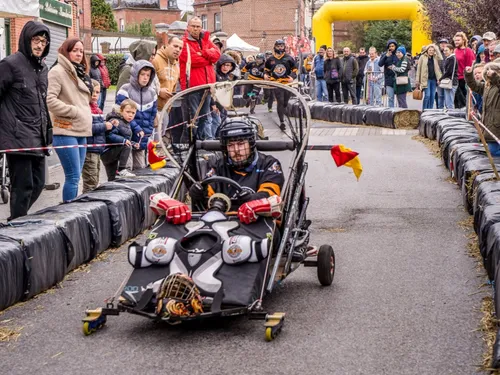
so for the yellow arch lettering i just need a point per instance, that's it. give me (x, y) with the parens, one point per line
(375, 11)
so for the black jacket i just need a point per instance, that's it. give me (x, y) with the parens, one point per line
(281, 67)
(95, 73)
(450, 69)
(24, 119)
(223, 60)
(262, 179)
(331, 64)
(386, 62)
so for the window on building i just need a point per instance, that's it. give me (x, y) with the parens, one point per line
(172, 4)
(122, 25)
(204, 22)
(217, 23)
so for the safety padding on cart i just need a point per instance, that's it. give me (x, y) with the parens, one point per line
(47, 250)
(12, 270)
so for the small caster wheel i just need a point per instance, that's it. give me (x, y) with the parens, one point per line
(269, 334)
(5, 196)
(93, 321)
(326, 265)
(86, 329)
(274, 324)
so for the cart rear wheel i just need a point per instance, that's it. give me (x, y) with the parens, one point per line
(5, 196)
(326, 265)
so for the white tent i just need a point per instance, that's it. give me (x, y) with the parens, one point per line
(19, 8)
(234, 42)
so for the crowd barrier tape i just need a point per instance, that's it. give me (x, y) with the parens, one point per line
(38, 250)
(466, 155)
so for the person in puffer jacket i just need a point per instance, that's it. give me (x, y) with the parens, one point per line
(92, 164)
(115, 158)
(144, 95)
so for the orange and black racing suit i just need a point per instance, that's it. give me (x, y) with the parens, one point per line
(261, 179)
(280, 68)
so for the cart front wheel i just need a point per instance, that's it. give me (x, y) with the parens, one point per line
(326, 265)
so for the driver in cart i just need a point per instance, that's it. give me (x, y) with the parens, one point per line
(260, 176)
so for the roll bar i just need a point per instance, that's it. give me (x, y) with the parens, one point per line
(266, 146)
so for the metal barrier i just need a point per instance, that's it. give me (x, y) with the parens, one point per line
(373, 86)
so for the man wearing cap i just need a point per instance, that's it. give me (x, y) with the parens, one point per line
(24, 119)
(488, 38)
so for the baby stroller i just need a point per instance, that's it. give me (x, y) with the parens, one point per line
(4, 183)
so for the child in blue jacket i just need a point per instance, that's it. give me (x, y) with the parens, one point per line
(139, 90)
(115, 158)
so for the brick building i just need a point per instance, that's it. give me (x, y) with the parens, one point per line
(133, 12)
(63, 19)
(255, 21)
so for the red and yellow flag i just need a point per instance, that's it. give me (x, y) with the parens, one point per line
(345, 156)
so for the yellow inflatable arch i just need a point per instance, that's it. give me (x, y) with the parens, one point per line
(374, 11)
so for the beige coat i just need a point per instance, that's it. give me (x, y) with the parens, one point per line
(68, 101)
(422, 75)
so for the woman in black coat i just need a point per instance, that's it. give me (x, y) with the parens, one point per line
(333, 73)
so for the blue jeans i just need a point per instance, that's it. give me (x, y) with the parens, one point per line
(449, 97)
(321, 91)
(429, 94)
(440, 92)
(494, 148)
(72, 160)
(216, 121)
(204, 123)
(390, 95)
(374, 95)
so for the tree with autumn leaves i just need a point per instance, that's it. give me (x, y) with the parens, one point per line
(474, 17)
(102, 16)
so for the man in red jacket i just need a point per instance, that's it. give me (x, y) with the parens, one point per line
(196, 64)
(465, 57)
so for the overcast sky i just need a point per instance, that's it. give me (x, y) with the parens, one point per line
(184, 4)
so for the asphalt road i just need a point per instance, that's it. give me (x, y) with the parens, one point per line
(403, 301)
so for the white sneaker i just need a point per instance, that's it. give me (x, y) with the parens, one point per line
(125, 173)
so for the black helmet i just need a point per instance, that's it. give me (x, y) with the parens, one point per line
(238, 129)
(279, 43)
(260, 56)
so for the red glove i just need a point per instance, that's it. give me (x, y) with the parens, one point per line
(175, 212)
(247, 213)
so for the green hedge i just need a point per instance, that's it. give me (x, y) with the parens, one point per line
(113, 62)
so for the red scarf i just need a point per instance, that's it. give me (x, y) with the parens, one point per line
(94, 108)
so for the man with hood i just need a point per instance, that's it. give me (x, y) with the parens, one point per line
(139, 50)
(24, 118)
(386, 60)
(95, 73)
(196, 62)
(140, 91)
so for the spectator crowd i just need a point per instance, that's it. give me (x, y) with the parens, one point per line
(63, 105)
